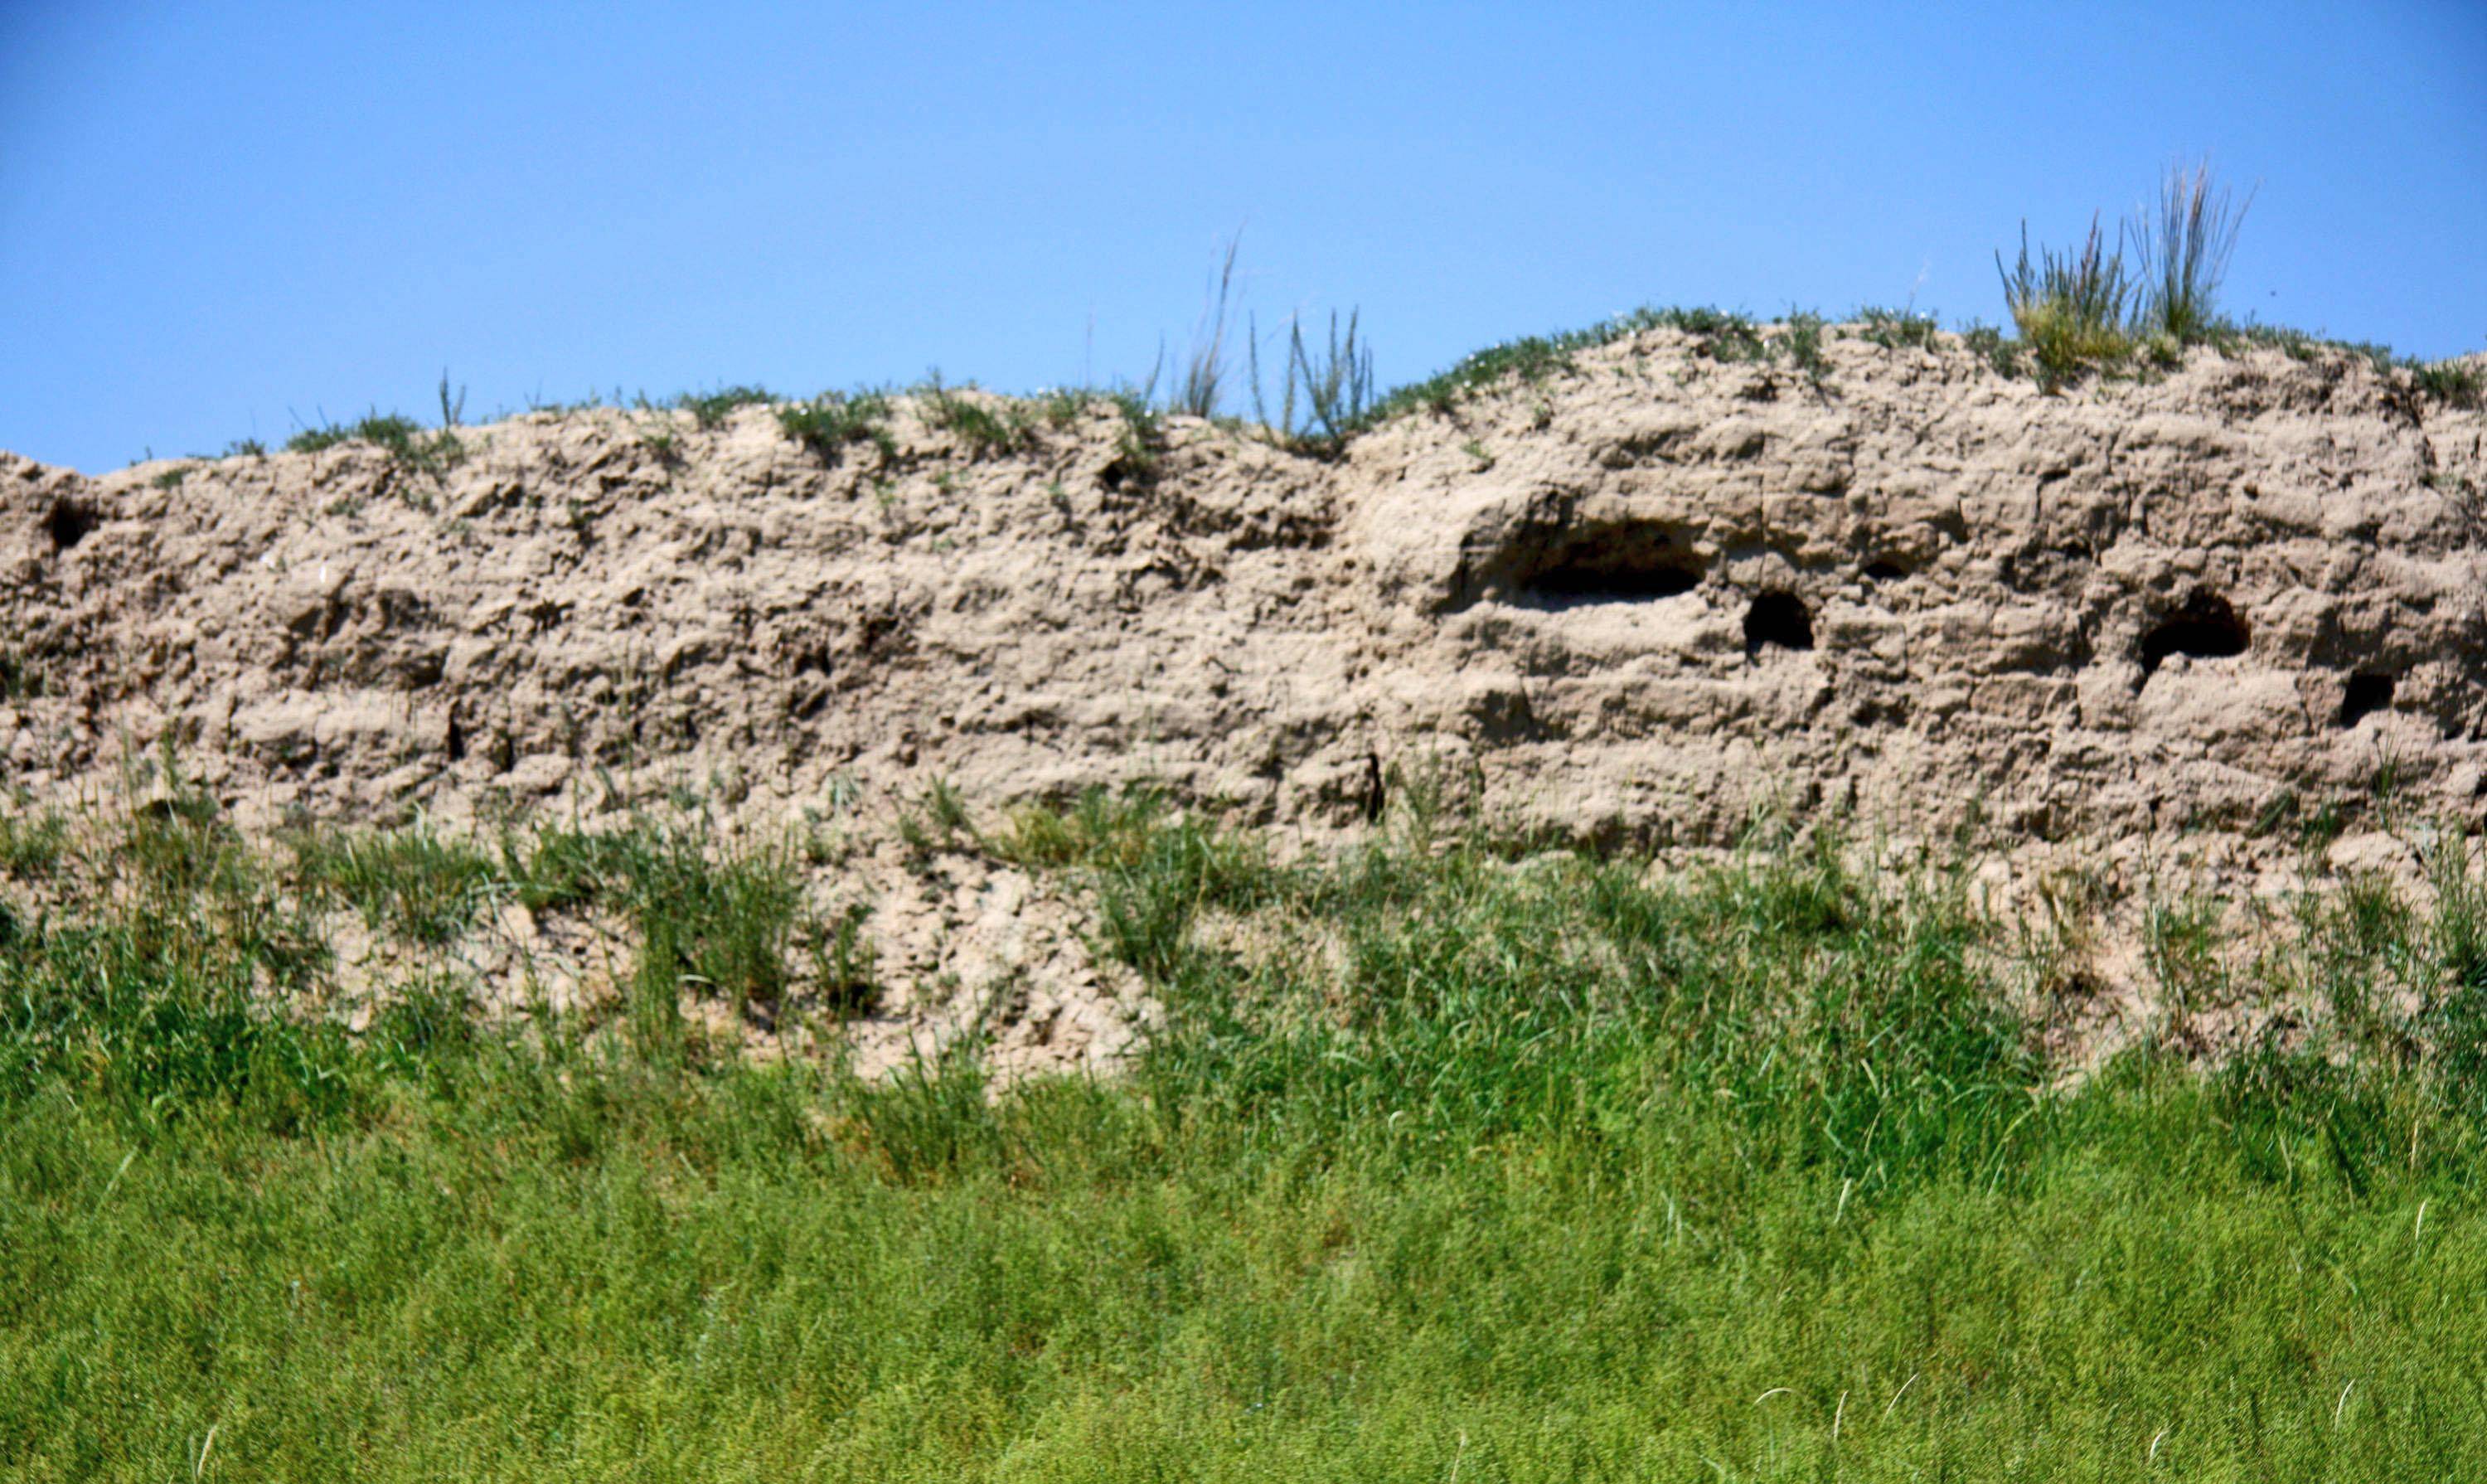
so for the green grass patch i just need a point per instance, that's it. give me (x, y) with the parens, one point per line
(726, 923)
(2455, 383)
(984, 426)
(1061, 407)
(832, 421)
(1718, 334)
(1802, 340)
(1100, 828)
(1895, 328)
(710, 409)
(32, 846)
(21, 678)
(1143, 434)
(2305, 346)
(1467, 1166)
(1988, 343)
(403, 439)
(2070, 307)
(414, 882)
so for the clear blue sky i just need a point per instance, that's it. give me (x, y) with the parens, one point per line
(216, 219)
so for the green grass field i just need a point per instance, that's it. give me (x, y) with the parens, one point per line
(1478, 1169)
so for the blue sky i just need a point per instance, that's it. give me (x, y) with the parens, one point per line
(220, 220)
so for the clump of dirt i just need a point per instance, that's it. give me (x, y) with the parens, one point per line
(1640, 599)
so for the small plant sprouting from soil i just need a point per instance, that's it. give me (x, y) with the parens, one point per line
(722, 921)
(2455, 383)
(32, 847)
(1803, 340)
(1100, 830)
(1205, 368)
(2184, 241)
(1896, 328)
(2070, 308)
(1062, 407)
(986, 425)
(1719, 335)
(1143, 436)
(1326, 393)
(715, 926)
(2084, 309)
(1986, 340)
(413, 883)
(453, 406)
(845, 966)
(180, 844)
(947, 809)
(21, 678)
(1529, 361)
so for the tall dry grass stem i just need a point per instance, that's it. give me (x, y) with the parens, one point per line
(1204, 372)
(2184, 241)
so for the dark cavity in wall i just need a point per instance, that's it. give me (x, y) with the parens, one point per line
(1776, 621)
(1619, 561)
(1885, 570)
(2368, 693)
(2206, 628)
(69, 523)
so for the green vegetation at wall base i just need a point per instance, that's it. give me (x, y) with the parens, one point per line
(1483, 1166)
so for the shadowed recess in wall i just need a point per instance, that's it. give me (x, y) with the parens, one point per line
(2206, 628)
(69, 523)
(1620, 561)
(2369, 691)
(1778, 621)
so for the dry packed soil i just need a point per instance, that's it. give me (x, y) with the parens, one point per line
(2146, 620)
